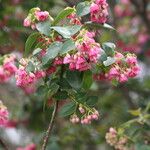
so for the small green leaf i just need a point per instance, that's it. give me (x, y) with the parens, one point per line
(64, 84)
(63, 14)
(44, 27)
(92, 100)
(109, 61)
(30, 67)
(61, 95)
(135, 112)
(87, 79)
(74, 78)
(52, 52)
(68, 109)
(30, 42)
(67, 46)
(83, 8)
(36, 51)
(67, 31)
(109, 48)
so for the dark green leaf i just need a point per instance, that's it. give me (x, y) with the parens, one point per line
(87, 79)
(30, 67)
(81, 97)
(63, 14)
(109, 61)
(68, 109)
(92, 100)
(30, 42)
(53, 88)
(83, 8)
(64, 84)
(61, 95)
(67, 31)
(74, 78)
(52, 52)
(67, 46)
(109, 48)
(44, 27)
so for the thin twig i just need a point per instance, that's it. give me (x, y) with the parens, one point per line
(2, 143)
(48, 132)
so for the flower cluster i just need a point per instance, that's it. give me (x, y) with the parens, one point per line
(119, 142)
(124, 68)
(87, 116)
(34, 16)
(3, 114)
(74, 19)
(7, 68)
(88, 52)
(99, 12)
(28, 147)
(27, 80)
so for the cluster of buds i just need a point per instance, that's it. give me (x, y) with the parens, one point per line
(7, 68)
(74, 20)
(113, 139)
(87, 116)
(87, 52)
(124, 68)
(28, 147)
(35, 15)
(99, 11)
(3, 114)
(27, 80)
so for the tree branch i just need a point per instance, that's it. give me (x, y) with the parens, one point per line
(48, 132)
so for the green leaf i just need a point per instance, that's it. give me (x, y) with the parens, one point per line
(30, 42)
(109, 61)
(52, 52)
(63, 14)
(68, 109)
(37, 51)
(30, 67)
(81, 97)
(44, 27)
(135, 112)
(87, 79)
(64, 84)
(103, 56)
(92, 100)
(42, 91)
(67, 46)
(53, 88)
(67, 31)
(74, 78)
(61, 95)
(99, 26)
(83, 8)
(109, 48)
(142, 147)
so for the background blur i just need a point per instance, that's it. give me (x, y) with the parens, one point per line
(131, 19)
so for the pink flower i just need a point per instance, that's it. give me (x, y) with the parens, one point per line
(131, 59)
(123, 78)
(99, 11)
(3, 114)
(41, 15)
(27, 22)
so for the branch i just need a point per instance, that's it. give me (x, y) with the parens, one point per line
(2, 143)
(48, 132)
